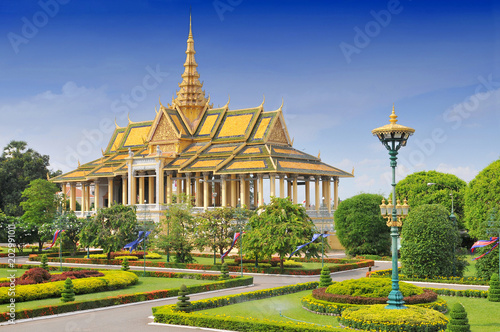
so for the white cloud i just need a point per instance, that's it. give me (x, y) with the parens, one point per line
(466, 173)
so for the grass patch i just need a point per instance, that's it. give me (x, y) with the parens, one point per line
(470, 270)
(483, 315)
(5, 273)
(145, 284)
(270, 308)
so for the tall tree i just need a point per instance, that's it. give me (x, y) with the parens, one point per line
(360, 227)
(414, 188)
(110, 229)
(483, 194)
(40, 205)
(279, 229)
(14, 231)
(19, 165)
(72, 227)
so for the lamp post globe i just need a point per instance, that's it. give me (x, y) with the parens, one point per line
(394, 136)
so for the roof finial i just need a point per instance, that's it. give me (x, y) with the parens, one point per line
(116, 124)
(263, 101)
(393, 116)
(282, 102)
(228, 100)
(190, 30)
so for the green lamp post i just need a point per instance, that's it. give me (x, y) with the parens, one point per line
(394, 136)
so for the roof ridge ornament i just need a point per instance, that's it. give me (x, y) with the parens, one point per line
(128, 117)
(228, 100)
(281, 107)
(393, 116)
(263, 101)
(116, 124)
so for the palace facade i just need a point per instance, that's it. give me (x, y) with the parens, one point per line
(217, 156)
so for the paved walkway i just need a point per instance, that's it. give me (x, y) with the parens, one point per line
(135, 317)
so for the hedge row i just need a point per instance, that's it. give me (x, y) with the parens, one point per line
(111, 280)
(123, 299)
(247, 269)
(335, 309)
(426, 297)
(181, 275)
(445, 280)
(462, 293)
(167, 314)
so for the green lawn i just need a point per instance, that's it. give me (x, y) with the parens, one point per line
(484, 316)
(470, 270)
(5, 274)
(145, 284)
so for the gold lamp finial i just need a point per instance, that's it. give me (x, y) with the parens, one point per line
(393, 116)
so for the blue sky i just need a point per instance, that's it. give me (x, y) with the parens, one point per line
(69, 67)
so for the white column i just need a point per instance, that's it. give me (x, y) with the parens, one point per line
(260, 187)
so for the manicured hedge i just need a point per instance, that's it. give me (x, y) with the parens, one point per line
(426, 297)
(111, 280)
(167, 314)
(181, 275)
(371, 287)
(445, 280)
(461, 292)
(123, 299)
(377, 318)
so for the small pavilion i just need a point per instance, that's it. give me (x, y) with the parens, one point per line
(216, 156)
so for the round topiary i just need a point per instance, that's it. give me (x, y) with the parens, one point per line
(43, 263)
(325, 279)
(494, 291)
(37, 275)
(68, 293)
(125, 265)
(378, 318)
(224, 272)
(183, 304)
(371, 287)
(459, 321)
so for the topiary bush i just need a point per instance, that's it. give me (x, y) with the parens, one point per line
(325, 279)
(458, 319)
(371, 287)
(183, 304)
(224, 272)
(360, 227)
(153, 255)
(68, 293)
(291, 263)
(429, 238)
(130, 258)
(43, 263)
(125, 266)
(494, 291)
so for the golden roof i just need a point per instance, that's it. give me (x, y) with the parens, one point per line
(393, 127)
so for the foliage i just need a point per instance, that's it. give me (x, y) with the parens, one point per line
(216, 228)
(183, 304)
(279, 229)
(428, 241)
(98, 256)
(482, 194)
(36, 275)
(488, 264)
(19, 165)
(291, 263)
(459, 321)
(377, 318)
(153, 255)
(24, 233)
(224, 272)
(43, 262)
(437, 279)
(72, 227)
(360, 226)
(460, 292)
(68, 293)
(110, 281)
(368, 287)
(415, 189)
(179, 229)
(325, 279)
(110, 229)
(128, 258)
(494, 291)
(40, 205)
(125, 266)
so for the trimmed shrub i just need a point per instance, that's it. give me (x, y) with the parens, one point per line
(377, 318)
(125, 266)
(458, 319)
(429, 238)
(183, 304)
(43, 262)
(68, 293)
(426, 296)
(98, 256)
(325, 279)
(36, 275)
(494, 291)
(360, 227)
(130, 258)
(368, 287)
(153, 255)
(224, 272)
(291, 263)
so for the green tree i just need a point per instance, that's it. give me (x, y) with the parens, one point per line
(482, 194)
(43, 262)
(72, 227)
(215, 229)
(360, 227)
(179, 231)
(488, 264)
(40, 205)
(125, 265)
(458, 319)
(23, 234)
(415, 189)
(224, 272)
(19, 166)
(68, 293)
(325, 279)
(428, 240)
(110, 229)
(183, 304)
(279, 229)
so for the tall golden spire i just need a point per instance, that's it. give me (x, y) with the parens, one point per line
(190, 98)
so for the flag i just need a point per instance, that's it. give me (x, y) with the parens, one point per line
(140, 237)
(235, 238)
(54, 239)
(484, 243)
(315, 236)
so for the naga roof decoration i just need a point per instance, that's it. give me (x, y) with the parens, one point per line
(191, 136)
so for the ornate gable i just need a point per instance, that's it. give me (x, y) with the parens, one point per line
(278, 133)
(164, 131)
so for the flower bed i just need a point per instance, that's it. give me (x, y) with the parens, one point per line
(123, 299)
(446, 280)
(426, 296)
(111, 280)
(33, 276)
